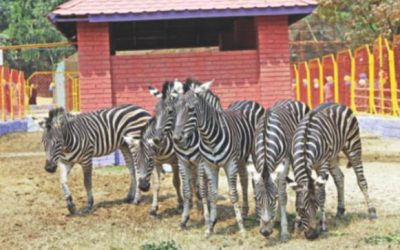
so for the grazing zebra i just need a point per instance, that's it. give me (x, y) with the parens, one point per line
(317, 142)
(187, 151)
(69, 139)
(147, 154)
(226, 140)
(273, 143)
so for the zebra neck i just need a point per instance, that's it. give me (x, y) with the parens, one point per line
(208, 121)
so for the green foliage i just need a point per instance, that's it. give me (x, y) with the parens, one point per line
(361, 21)
(164, 245)
(26, 22)
(389, 238)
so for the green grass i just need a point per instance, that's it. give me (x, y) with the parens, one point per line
(388, 238)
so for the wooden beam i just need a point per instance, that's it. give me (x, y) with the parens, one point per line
(37, 46)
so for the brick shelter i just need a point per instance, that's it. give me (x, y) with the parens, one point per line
(126, 45)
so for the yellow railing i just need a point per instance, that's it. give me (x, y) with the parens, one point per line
(367, 80)
(15, 92)
(12, 96)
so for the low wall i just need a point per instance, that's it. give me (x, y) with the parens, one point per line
(13, 126)
(383, 126)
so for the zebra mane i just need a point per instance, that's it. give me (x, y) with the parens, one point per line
(167, 88)
(190, 84)
(306, 131)
(149, 126)
(266, 172)
(57, 117)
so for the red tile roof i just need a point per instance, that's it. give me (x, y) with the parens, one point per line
(111, 7)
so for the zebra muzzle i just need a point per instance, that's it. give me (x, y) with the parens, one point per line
(50, 166)
(144, 185)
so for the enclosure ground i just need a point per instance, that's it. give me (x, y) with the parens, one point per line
(33, 213)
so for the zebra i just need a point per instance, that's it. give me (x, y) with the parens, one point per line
(148, 155)
(317, 142)
(226, 140)
(273, 142)
(187, 152)
(70, 139)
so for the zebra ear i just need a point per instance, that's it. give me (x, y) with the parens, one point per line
(253, 172)
(204, 87)
(131, 141)
(154, 92)
(321, 180)
(178, 87)
(292, 184)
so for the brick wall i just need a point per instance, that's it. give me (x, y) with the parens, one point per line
(235, 74)
(262, 74)
(94, 65)
(273, 56)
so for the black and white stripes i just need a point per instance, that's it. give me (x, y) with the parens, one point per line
(71, 139)
(318, 140)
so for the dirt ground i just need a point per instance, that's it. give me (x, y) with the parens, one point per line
(33, 213)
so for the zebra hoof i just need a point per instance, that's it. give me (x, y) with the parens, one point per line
(372, 213)
(285, 237)
(71, 209)
(245, 211)
(128, 199)
(340, 212)
(153, 213)
(208, 233)
(183, 223)
(180, 206)
(136, 202)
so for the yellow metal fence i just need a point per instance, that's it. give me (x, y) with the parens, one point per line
(16, 92)
(366, 79)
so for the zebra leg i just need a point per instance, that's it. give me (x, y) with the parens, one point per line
(338, 178)
(65, 169)
(196, 186)
(362, 183)
(322, 198)
(185, 172)
(156, 189)
(244, 182)
(282, 194)
(212, 181)
(134, 192)
(231, 173)
(87, 179)
(177, 185)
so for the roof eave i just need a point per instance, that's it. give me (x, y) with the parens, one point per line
(169, 15)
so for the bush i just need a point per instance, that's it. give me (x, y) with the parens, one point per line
(163, 245)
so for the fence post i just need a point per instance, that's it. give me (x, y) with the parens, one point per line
(296, 73)
(3, 95)
(321, 81)
(11, 87)
(371, 74)
(353, 81)
(309, 102)
(392, 77)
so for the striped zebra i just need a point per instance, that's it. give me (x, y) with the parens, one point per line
(149, 158)
(187, 151)
(226, 140)
(273, 143)
(318, 140)
(70, 139)
(151, 151)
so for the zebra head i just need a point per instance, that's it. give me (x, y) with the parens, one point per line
(186, 119)
(143, 154)
(164, 110)
(307, 202)
(52, 138)
(265, 197)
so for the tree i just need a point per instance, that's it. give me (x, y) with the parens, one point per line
(361, 21)
(26, 22)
